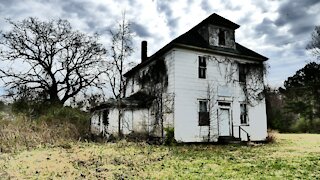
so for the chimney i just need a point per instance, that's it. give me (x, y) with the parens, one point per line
(144, 48)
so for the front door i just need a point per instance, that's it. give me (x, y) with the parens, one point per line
(224, 122)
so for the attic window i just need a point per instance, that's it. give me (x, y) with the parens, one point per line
(202, 67)
(222, 37)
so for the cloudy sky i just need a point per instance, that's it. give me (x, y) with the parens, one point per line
(278, 29)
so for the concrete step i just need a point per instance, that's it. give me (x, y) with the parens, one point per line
(229, 140)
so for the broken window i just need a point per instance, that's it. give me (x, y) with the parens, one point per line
(204, 119)
(222, 37)
(242, 73)
(243, 114)
(202, 67)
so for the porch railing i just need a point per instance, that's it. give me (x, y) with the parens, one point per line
(241, 129)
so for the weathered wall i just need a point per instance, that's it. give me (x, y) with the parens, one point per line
(220, 78)
(210, 34)
(137, 120)
(186, 89)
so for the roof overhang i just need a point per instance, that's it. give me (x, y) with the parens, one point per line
(170, 46)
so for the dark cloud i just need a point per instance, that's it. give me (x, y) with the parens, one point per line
(245, 19)
(295, 14)
(140, 30)
(229, 5)
(103, 8)
(266, 27)
(132, 2)
(269, 30)
(164, 6)
(82, 9)
(263, 5)
(190, 2)
(205, 6)
(7, 3)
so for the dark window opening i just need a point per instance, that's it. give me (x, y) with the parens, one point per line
(242, 73)
(105, 117)
(132, 85)
(224, 104)
(204, 119)
(202, 67)
(222, 37)
(243, 114)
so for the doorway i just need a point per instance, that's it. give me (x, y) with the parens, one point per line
(224, 119)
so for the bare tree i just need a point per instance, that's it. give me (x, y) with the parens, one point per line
(314, 44)
(121, 49)
(57, 60)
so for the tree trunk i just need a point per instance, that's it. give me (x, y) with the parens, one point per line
(120, 113)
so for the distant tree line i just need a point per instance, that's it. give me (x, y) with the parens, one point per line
(296, 106)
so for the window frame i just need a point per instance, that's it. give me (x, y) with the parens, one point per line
(242, 73)
(202, 67)
(132, 85)
(203, 115)
(222, 37)
(244, 119)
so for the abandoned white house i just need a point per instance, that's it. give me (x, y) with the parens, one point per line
(203, 84)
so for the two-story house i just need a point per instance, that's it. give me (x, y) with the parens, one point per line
(203, 84)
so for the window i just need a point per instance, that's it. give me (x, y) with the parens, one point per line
(132, 85)
(222, 37)
(204, 119)
(105, 117)
(243, 114)
(202, 67)
(242, 73)
(224, 104)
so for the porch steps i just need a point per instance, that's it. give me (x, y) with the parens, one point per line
(229, 140)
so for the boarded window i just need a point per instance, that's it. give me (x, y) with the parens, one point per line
(243, 114)
(222, 37)
(202, 67)
(242, 73)
(204, 119)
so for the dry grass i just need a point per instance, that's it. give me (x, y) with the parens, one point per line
(292, 156)
(23, 133)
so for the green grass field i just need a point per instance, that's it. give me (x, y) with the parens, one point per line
(292, 156)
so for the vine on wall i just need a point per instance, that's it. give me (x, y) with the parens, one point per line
(253, 88)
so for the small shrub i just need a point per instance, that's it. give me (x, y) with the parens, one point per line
(137, 136)
(169, 137)
(271, 138)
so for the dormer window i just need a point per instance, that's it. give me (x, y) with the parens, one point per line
(222, 37)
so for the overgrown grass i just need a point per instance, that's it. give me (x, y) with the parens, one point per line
(292, 156)
(58, 126)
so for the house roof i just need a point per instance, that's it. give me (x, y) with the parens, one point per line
(137, 100)
(194, 41)
(215, 19)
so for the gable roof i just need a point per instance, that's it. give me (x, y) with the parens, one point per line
(215, 19)
(194, 41)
